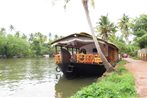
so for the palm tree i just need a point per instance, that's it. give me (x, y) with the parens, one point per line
(56, 37)
(50, 36)
(17, 34)
(119, 42)
(107, 65)
(24, 36)
(105, 27)
(123, 24)
(12, 28)
(31, 38)
(40, 37)
(2, 30)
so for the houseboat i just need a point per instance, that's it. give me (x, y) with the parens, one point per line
(76, 55)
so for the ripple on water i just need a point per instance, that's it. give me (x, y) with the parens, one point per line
(36, 78)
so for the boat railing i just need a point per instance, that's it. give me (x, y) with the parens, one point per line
(57, 58)
(81, 58)
(88, 58)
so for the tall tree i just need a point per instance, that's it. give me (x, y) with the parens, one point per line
(2, 41)
(2, 30)
(17, 34)
(107, 65)
(12, 28)
(24, 36)
(38, 45)
(40, 37)
(56, 37)
(105, 27)
(31, 37)
(14, 46)
(139, 28)
(123, 24)
(50, 36)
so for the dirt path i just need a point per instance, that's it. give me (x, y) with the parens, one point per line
(139, 70)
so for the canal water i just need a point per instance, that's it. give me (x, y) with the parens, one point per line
(36, 78)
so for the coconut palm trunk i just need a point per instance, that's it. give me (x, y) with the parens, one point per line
(107, 65)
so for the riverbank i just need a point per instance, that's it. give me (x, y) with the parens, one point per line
(118, 84)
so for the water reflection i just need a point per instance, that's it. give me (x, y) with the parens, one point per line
(66, 88)
(36, 77)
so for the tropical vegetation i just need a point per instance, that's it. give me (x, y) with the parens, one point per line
(127, 28)
(20, 45)
(124, 27)
(118, 84)
(106, 64)
(105, 28)
(36, 44)
(139, 28)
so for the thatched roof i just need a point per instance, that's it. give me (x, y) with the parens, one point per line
(77, 40)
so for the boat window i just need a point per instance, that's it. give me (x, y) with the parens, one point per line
(94, 50)
(83, 51)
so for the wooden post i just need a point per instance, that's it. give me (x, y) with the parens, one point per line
(60, 47)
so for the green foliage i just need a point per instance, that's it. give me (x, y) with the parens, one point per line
(51, 51)
(13, 46)
(2, 43)
(119, 84)
(105, 27)
(120, 64)
(130, 48)
(118, 42)
(18, 45)
(139, 27)
(38, 45)
(142, 41)
(124, 25)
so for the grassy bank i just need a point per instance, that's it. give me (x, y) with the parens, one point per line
(118, 84)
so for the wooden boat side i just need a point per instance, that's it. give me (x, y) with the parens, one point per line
(79, 69)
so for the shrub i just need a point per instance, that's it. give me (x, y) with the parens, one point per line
(118, 84)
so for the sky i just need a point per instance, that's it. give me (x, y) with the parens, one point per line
(29, 16)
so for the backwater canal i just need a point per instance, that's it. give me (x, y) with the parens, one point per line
(36, 77)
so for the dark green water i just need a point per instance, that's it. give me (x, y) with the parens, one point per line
(36, 78)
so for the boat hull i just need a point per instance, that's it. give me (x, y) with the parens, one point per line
(73, 70)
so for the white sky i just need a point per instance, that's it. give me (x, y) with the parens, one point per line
(29, 16)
